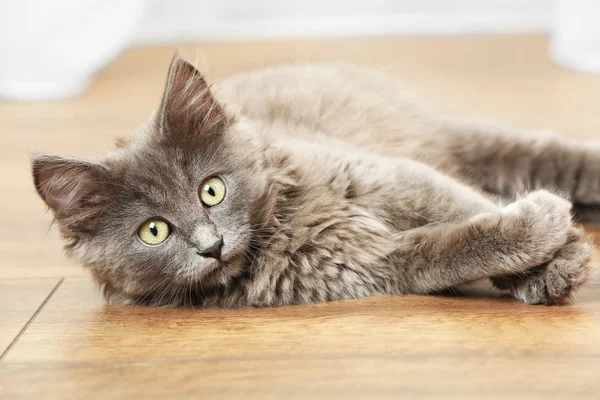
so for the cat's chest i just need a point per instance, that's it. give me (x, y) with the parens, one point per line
(330, 256)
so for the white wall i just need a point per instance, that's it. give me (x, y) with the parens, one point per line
(75, 38)
(180, 20)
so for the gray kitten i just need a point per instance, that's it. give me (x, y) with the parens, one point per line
(304, 184)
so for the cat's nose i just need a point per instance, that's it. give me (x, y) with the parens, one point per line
(214, 250)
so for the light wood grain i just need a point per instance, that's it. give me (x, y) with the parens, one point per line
(19, 300)
(404, 377)
(456, 347)
(384, 347)
(445, 325)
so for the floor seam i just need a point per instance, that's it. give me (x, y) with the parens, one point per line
(35, 314)
(37, 278)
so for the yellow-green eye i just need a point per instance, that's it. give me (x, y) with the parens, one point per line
(212, 191)
(154, 231)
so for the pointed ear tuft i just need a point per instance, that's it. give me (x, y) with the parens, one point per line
(188, 109)
(76, 191)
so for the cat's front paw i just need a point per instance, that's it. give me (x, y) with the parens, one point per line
(555, 282)
(541, 221)
(117, 297)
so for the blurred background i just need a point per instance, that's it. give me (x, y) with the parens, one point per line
(54, 49)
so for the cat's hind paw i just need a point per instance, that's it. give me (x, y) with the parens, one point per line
(555, 282)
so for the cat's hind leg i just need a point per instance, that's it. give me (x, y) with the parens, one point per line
(506, 161)
(531, 237)
(556, 281)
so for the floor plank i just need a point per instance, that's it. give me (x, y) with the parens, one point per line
(19, 301)
(394, 377)
(88, 330)
(468, 346)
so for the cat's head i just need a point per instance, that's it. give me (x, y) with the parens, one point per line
(172, 209)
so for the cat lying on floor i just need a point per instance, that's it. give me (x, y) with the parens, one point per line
(311, 183)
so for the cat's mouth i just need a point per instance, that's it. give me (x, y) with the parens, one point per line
(211, 265)
(207, 268)
(201, 269)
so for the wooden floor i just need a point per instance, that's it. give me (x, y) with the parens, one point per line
(58, 340)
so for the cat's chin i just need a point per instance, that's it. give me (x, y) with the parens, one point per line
(209, 272)
(195, 273)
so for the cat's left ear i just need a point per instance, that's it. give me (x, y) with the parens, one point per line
(188, 109)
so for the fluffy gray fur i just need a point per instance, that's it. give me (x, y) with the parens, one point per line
(340, 184)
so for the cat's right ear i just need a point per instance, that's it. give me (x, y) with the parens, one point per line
(188, 110)
(76, 191)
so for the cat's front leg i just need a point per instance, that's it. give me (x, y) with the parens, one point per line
(114, 296)
(534, 233)
(117, 297)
